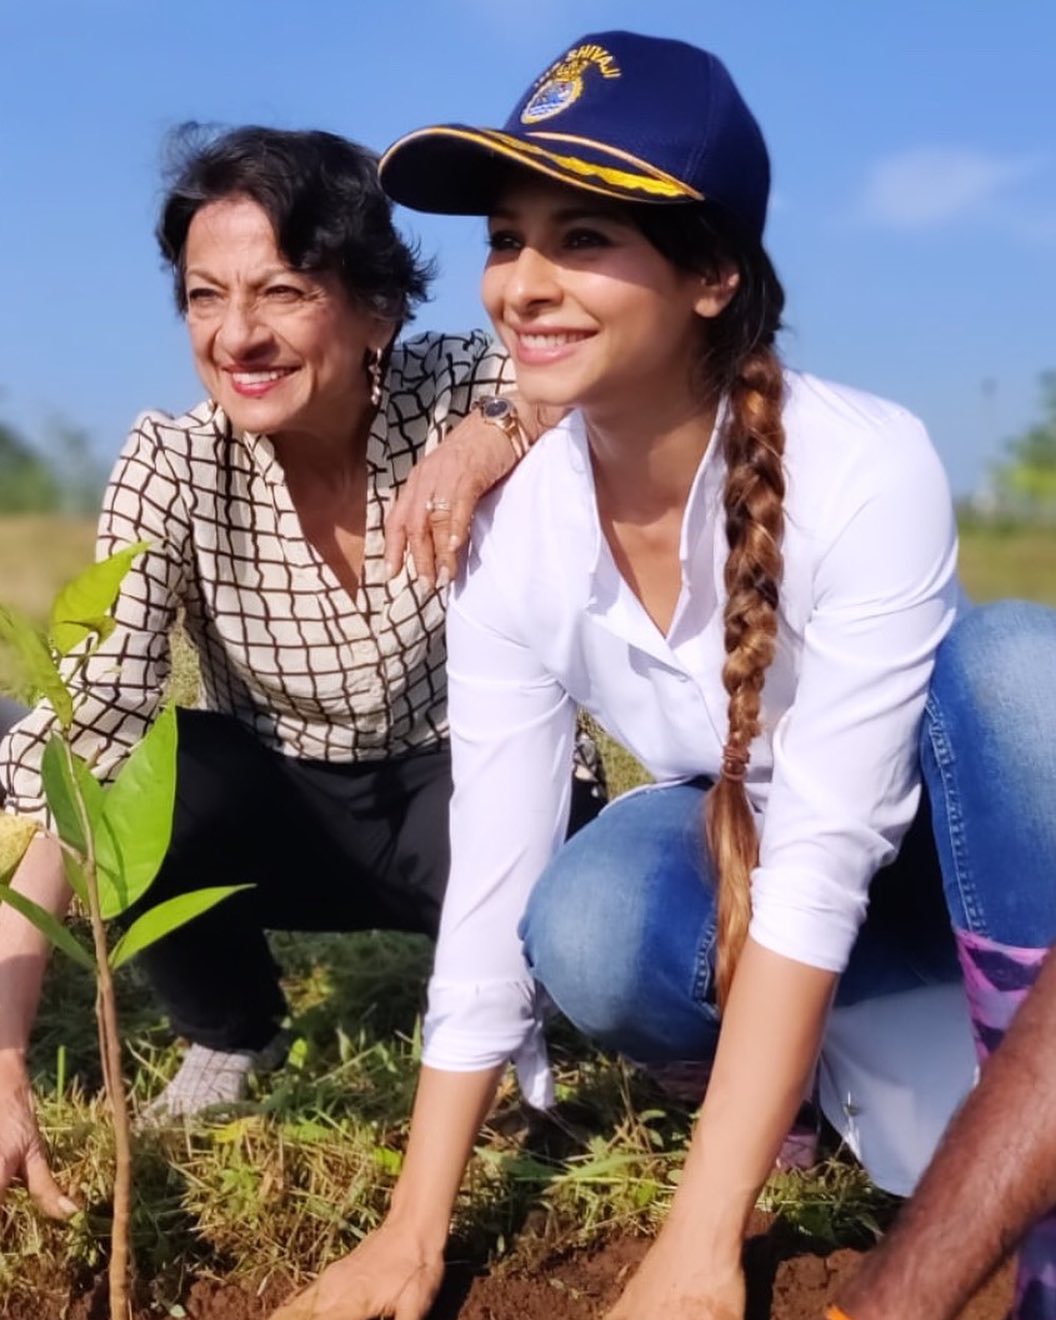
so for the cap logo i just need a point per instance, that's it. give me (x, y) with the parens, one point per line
(562, 84)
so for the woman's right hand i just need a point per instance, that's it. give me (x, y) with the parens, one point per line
(22, 1153)
(392, 1273)
(396, 1272)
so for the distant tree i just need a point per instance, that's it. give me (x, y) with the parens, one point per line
(27, 480)
(78, 472)
(1026, 481)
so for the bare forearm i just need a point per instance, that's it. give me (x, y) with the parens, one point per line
(448, 1112)
(994, 1173)
(23, 949)
(771, 1033)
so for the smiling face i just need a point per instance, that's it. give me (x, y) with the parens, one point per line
(592, 314)
(280, 350)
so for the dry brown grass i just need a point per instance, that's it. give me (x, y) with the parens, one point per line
(38, 553)
(1018, 562)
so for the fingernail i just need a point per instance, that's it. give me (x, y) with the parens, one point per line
(442, 579)
(390, 569)
(67, 1206)
(453, 543)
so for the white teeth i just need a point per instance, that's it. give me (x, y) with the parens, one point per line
(550, 341)
(256, 377)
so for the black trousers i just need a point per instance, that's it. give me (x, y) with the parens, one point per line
(326, 847)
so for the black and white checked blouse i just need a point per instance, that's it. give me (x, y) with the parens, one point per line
(282, 647)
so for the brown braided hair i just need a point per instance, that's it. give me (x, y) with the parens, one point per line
(738, 360)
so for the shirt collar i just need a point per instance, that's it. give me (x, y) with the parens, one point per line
(261, 450)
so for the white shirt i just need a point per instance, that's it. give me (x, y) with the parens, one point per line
(543, 622)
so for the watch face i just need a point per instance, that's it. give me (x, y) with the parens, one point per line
(496, 410)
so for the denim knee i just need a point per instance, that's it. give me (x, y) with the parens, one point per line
(998, 667)
(582, 938)
(620, 928)
(988, 754)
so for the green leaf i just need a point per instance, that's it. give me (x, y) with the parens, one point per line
(48, 925)
(135, 826)
(388, 1160)
(65, 775)
(82, 605)
(100, 628)
(74, 873)
(167, 917)
(35, 669)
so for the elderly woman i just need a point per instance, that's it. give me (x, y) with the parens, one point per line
(318, 768)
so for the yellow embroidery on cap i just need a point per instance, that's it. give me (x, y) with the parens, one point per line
(562, 84)
(617, 178)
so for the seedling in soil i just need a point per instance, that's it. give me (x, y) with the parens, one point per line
(113, 839)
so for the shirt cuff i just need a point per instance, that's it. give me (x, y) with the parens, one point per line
(474, 1025)
(810, 918)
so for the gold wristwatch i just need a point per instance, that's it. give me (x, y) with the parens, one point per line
(499, 411)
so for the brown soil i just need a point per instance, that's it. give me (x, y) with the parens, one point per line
(785, 1282)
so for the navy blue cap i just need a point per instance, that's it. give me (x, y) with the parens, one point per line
(644, 119)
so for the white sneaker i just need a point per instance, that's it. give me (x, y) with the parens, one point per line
(208, 1079)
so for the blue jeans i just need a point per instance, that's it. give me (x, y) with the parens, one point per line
(620, 929)
(988, 753)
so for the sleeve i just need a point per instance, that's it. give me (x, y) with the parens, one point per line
(512, 730)
(119, 690)
(480, 366)
(846, 781)
(434, 380)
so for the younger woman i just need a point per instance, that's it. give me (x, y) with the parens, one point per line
(745, 575)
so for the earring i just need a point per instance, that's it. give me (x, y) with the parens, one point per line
(374, 374)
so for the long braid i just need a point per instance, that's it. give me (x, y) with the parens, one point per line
(754, 441)
(738, 360)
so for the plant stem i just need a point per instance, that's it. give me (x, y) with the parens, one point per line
(110, 1057)
(110, 1052)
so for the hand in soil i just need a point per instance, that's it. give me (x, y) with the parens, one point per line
(22, 1153)
(673, 1284)
(388, 1275)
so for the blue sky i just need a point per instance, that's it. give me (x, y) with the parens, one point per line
(914, 150)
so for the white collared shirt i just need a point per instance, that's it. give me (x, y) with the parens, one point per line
(543, 622)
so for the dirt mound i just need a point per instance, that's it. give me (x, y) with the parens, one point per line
(782, 1285)
(785, 1282)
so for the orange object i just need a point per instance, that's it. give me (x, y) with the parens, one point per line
(834, 1313)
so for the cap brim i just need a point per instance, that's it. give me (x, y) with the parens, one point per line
(452, 169)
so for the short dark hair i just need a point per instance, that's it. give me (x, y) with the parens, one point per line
(322, 196)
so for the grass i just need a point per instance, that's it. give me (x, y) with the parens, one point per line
(1009, 562)
(299, 1174)
(280, 1185)
(38, 554)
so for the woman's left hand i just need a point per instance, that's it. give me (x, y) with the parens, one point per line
(431, 518)
(674, 1282)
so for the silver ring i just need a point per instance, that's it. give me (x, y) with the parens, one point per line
(437, 506)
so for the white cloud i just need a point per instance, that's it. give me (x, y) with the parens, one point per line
(925, 187)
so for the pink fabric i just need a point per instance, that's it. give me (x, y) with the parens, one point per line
(997, 978)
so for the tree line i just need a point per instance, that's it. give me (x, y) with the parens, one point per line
(66, 478)
(1021, 487)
